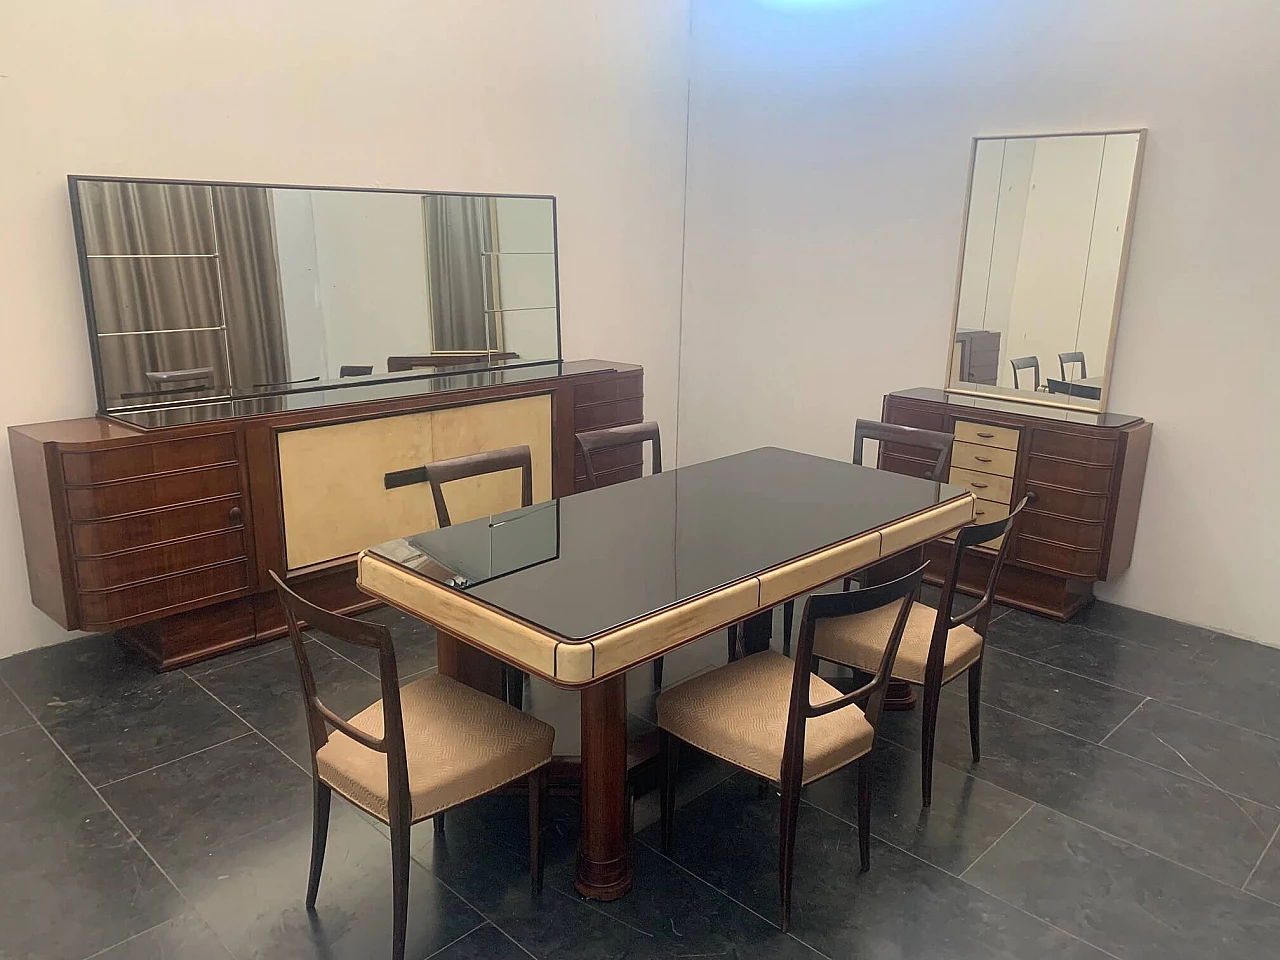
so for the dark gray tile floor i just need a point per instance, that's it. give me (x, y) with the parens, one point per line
(1127, 806)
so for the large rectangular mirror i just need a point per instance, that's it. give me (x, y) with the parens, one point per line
(202, 291)
(1042, 267)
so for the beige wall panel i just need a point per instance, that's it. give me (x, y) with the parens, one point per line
(459, 431)
(634, 644)
(516, 643)
(333, 491)
(927, 526)
(816, 569)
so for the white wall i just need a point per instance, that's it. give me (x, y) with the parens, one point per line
(827, 176)
(574, 98)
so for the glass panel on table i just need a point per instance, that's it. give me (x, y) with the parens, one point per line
(1044, 251)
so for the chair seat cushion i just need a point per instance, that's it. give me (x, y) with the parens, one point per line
(460, 743)
(739, 713)
(859, 641)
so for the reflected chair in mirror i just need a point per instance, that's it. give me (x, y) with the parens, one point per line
(479, 465)
(1067, 359)
(777, 719)
(934, 442)
(419, 752)
(1026, 363)
(348, 370)
(599, 453)
(938, 645)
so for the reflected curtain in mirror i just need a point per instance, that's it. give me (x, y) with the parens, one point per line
(459, 237)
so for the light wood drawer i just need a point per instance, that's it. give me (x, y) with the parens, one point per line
(971, 456)
(984, 486)
(1006, 438)
(989, 511)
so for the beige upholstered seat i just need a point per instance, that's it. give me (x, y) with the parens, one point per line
(738, 712)
(858, 641)
(460, 743)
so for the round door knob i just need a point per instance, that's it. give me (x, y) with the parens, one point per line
(236, 515)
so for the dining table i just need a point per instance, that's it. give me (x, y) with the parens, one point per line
(579, 590)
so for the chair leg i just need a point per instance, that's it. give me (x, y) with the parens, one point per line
(975, 704)
(537, 827)
(735, 645)
(669, 762)
(319, 836)
(928, 728)
(788, 615)
(787, 845)
(438, 822)
(514, 682)
(399, 888)
(864, 812)
(657, 674)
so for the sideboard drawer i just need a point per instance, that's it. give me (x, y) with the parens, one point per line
(1086, 536)
(984, 486)
(97, 537)
(1071, 446)
(971, 456)
(132, 496)
(989, 511)
(1006, 438)
(108, 608)
(1058, 557)
(1069, 503)
(134, 566)
(144, 459)
(1072, 476)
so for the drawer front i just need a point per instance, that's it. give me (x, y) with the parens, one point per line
(610, 414)
(984, 486)
(1085, 564)
(131, 496)
(144, 459)
(989, 511)
(907, 466)
(1068, 503)
(914, 417)
(615, 388)
(984, 434)
(1070, 446)
(1073, 476)
(122, 569)
(107, 608)
(1072, 533)
(970, 456)
(159, 526)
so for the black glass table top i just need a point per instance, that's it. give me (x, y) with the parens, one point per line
(1084, 416)
(585, 564)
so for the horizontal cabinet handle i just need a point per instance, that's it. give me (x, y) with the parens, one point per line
(980, 513)
(979, 486)
(987, 436)
(983, 459)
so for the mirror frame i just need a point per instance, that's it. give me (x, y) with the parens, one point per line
(1029, 397)
(77, 224)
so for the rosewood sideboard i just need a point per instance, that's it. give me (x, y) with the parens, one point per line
(163, 525)
(1083, 471)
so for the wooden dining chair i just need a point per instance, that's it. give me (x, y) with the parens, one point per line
(933, 441)
(1026, 363)
(416, 753)
(776, 718)
(1066, 359)
(938, 645)
(479, 465)
(594, 443)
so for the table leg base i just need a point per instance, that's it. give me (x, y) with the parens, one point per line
(899, 695)
(604, 881)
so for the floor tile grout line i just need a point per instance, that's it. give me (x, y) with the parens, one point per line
(1263, 856)
(1007, 831)
(1121, 753)
(119, 819)
(728, 896)
(25, 726)
(995, 645)
(970, 883)
(186, 756)
(264, 650)
(471, 906)
(1128, 717)
(254, 729)
(590, 905)
(1085, 823)
(140, 933)
(478, 926)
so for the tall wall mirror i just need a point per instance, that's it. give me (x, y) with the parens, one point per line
(203, 291)
(1045, 245)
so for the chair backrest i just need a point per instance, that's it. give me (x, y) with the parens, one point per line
(319, 717)
(479, 465)
(594, 442)
(351, 370)
(979, 615)
(932, 440)
(1073, 356)
(1026, 363)
(825, 606)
